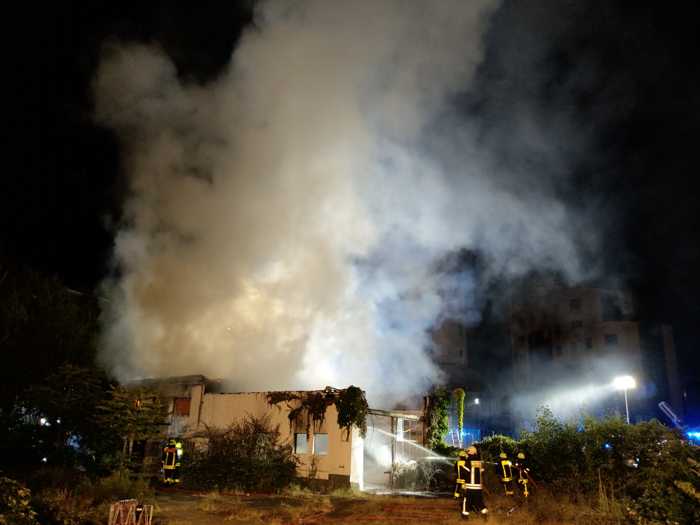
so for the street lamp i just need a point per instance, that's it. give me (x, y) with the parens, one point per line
(625, 383)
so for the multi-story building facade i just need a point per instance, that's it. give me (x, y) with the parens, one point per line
(574, 327)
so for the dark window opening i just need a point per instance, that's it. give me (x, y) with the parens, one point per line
(181, 406)
(610, 339)
(575, 305)
(611, 307)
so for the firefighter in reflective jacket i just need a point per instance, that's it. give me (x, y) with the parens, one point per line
(506, 474)
(172, 452)
(523, 474)
(462, 472)
(473, 489)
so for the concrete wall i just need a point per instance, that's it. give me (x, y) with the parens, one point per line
(221, 410)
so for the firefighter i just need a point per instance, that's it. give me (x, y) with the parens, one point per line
(172, 452)
(523, 474)
(462, 472)
(473, 487)
(506, 474)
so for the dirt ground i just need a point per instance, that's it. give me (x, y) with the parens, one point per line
(183, 508)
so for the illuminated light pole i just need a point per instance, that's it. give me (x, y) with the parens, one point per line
(625, 383)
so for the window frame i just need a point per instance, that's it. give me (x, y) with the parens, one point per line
(315, 451)
(305, 442)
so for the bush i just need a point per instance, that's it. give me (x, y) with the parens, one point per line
(492, 446)
(15, 507)
(88, 502)
(245, 456)
(65, 507)
(119, 485)
(647, 466)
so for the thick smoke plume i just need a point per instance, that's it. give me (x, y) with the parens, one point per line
(286, 222)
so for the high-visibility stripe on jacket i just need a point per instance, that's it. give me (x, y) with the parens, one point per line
(506, 470)
(461, 469)
(476, 467)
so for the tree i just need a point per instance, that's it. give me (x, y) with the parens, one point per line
(437, 418)
(133, 414)
(43, 324)
(67, 403)
(459, 396)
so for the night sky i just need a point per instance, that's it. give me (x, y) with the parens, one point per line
(629, 77)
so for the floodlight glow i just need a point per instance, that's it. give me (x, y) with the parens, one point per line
(476, 401)
(624, 383)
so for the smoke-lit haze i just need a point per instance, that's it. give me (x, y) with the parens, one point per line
(286, 222)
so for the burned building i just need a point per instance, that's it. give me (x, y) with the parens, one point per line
(325, 452)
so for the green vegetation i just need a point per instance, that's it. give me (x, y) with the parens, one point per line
(64, 497)
(437, 419)
(15, 503)
(459, 395)
(492, 446)
(133, 414)
(88, 502)
(245, 456)
(350, 404)
(645, 472)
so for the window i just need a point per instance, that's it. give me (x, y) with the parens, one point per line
(181, 406)
(300, 443)
(589, 343)
(576, 324)
(410, 430)
(610, 339)
(611, 308)
(320, 444)
(575, 305)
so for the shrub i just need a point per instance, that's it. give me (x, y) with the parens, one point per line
(247, 456)
(647, 466)
(492, 446)
(64, 507)
(15, 503)
(119, 485)
(88, 502)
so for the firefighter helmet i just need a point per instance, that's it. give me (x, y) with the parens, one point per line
(462, 454)
(471, 451)
(521, 455)
(503, 455)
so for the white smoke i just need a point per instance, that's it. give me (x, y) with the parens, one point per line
(285, 221)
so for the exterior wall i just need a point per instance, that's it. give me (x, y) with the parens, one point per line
(357, 460)
(221, 410)
(671, 365)
(450, 351)
(573, 324)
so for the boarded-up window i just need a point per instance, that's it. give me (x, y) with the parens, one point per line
(182, 406)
